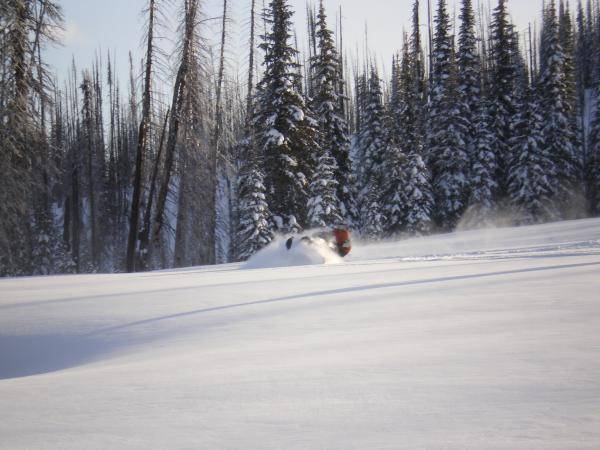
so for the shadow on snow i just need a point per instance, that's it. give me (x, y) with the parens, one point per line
(38, 354)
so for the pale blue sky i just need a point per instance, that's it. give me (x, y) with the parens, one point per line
(116, 25)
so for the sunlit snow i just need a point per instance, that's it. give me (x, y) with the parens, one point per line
(476, 340)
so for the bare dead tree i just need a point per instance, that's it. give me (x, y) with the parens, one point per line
(220, 76)
(142, 143)
(252, 45)
(190, 24)
(88, 119)
(145, 234)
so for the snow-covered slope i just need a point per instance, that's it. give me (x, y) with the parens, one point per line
(477, 340)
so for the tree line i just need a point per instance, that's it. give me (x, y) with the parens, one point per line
(478, 123)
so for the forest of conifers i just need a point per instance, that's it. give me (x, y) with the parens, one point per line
(477, 125)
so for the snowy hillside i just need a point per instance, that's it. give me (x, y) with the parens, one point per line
(477, 340)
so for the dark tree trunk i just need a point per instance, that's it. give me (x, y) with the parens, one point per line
(91, 185)
(76, 214)
(175, 121)
(145, 235)
(181, 231)
(141, 147)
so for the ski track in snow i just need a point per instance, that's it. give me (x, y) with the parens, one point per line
(484, 339)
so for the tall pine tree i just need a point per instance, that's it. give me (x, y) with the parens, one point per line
(285, 130)
(531, 169)
(323, 206)
(483, 186)
(593, 168)
(560, 140)
(373, 145)
(445, 138)
(409, 200)
(333, 130)
(393, 187)
(469, 75)
(253, 230)
(503, 102)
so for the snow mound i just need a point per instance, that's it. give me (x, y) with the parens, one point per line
(301, 254)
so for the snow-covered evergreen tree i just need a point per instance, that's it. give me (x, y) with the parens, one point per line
(323, 206)
(393, 198)
(531, 169)
(254, 229)
(469, 76)
(413, 78)
(396, 106)
(567, 43)
(418, 209)
(360, 94)
(409, 107)
(504, 105)
(373, 218)
(574, 110)
(593, 169)
(445, 145)
(334, 142)
(408, 91)
(483, 186)
(584, 53)
(285, 130)
(417, 58)
(393, 190)
(408, 198)
(373, 145)
(560, 140)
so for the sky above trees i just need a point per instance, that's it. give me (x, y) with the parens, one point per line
(116, 25)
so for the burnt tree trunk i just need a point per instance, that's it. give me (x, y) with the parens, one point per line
(175, 120)
(145, 235)
(141, 147)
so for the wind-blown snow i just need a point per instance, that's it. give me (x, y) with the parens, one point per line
(301, 254)
(475, 340)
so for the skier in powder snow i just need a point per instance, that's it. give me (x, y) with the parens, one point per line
(343, 243)
(338, 239)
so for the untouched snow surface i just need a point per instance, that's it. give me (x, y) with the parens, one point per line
(476, 340)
